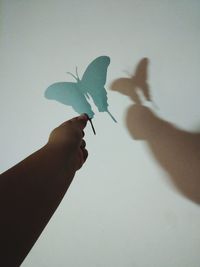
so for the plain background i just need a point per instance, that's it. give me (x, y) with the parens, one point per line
(124, 208)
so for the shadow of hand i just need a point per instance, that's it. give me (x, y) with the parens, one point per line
(177, 151)
(140, 122)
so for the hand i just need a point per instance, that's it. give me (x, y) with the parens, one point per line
(31, 191)
(68, 138)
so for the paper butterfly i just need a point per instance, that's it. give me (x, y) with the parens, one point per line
(91, 86)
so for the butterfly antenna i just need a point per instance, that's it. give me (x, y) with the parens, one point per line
(77, 73)
(111, 116)
(73, 76)
(90, 120)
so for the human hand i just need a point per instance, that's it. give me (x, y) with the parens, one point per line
(68, 139)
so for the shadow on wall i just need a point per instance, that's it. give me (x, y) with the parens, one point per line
(177, 151)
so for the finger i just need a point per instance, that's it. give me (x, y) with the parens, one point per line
(82, 118)
(85, 154)
(82, 156)
(80, 121)
(83, 144)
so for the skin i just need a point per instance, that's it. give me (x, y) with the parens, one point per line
(31, 191)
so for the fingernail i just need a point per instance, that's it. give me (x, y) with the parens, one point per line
(83, 116)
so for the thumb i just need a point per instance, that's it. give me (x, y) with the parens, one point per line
(81, 121)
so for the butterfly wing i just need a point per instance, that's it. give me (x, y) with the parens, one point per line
(69, 94)
(127, 87)
(141, 77)
(123, 86)
(93, 81)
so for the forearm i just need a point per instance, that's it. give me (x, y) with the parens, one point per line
(29, 194)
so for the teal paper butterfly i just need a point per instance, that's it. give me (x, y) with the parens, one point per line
(91, 86)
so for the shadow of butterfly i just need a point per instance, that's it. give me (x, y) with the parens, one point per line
(136, 84)
(91, 86)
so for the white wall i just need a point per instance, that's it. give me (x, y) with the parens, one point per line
(127, 206)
